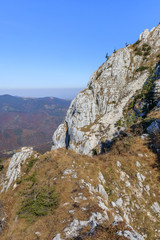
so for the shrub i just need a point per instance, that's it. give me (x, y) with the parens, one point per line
(1, 167)
(146, 53)
(30, 164)
(141, 68)
(94, 152)
(39, 202)
(139, 52)
(118, 123)
(107, 56)
(136, 43)
(145, 46)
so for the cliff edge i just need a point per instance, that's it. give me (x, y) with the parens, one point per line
(91, 120)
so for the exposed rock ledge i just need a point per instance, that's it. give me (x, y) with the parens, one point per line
(91, 118)
(14, 167)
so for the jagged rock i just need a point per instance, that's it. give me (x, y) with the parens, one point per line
(138, 164)
(119, 202)
(58, 237)
(102, 191)
(140, 177)
(101, 178)
(74, 228)
(68, 171)
(144, 34)
(147, 189)
(118, 164)
(144, 136)
(14, 168)
(155, 207)
(128, 184)
(91, 119)
(132, 235)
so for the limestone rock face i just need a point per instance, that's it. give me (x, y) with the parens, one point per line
(92, 116)
(14, 168)
(144, 34)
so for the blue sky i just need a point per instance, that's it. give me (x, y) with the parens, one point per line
(58, 44)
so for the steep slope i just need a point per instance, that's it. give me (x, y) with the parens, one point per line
(91, 121)
(27, 121)
(63, 195)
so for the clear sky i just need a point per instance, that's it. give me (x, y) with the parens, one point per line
(58, 44)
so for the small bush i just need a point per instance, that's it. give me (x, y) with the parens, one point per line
(146, 53)
(39, 202)
(145, 47)
(31, 178)
(1, 167)
(30, 164)
(94, 152)
(118, 123)
(139, 52)
(141, 68)
(136, 43)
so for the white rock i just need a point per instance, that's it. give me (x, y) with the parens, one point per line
(113, 204)
(140, 155)
(144, 136)
(84, 209)
(102, 191)
(71, 211)
(68, 171)
(140, 177)
(74, 228)
(14, 168)
(130, 235)
(128, 184)
(147, 189)
(58, 237)
(93, 114)
(138, 164)
(119, 202)
(144, 35)
(38, 234)
(74, 175)
(155, 207)
(118, 164)
(101, 178)
(65, 204)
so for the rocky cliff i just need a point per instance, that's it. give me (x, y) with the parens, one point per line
(91, 121)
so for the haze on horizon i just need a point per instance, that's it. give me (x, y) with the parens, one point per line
(63, 93)
(50, 44)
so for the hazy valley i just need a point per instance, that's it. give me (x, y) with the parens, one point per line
(29, 122)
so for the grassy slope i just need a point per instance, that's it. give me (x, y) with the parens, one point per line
(49, 170)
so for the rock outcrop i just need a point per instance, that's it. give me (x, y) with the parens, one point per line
(14, 168)
(91, 119)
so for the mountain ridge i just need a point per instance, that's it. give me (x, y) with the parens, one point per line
(91, 119)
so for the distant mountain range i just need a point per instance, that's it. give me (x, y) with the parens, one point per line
(29, 121)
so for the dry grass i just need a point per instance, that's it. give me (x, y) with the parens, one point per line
(49, 172)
